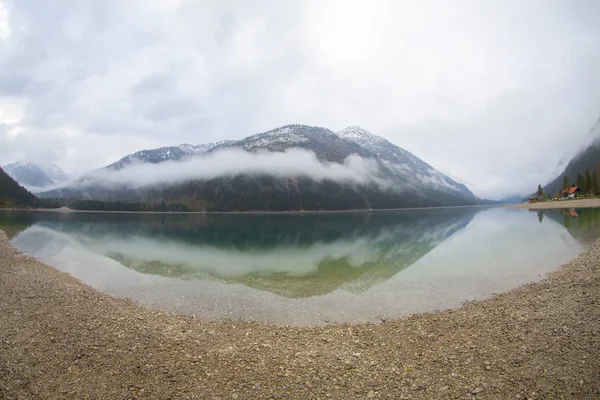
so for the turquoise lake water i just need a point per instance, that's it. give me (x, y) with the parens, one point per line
(309, 268)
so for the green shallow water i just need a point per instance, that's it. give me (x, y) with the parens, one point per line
(306, 268)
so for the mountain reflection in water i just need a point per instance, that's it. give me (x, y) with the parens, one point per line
(305, 268)
(293, 255)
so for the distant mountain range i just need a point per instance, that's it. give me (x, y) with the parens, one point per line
(409, 181)
(36, 174)
(589, 158)
(514, 199)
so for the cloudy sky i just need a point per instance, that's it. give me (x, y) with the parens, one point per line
(497, 94)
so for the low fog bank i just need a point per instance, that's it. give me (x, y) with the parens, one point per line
(38, 190)
(288, 164)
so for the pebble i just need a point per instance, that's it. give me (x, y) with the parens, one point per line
(40, 338)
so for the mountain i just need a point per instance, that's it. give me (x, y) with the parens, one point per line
(35, 173)
(514, 199)
(170, 153)
(399, 179)
(14, 195)
(589, 157)
(401, 160)
(324, 143)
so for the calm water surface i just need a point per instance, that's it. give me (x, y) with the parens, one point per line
(306, 269)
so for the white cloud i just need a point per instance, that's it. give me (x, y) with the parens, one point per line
(4, 28)
(493, 93)
(289, 164)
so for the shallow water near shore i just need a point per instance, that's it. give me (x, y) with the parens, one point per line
(306, 269)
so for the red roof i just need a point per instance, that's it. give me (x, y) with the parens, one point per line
(571, 213)
(571, 190)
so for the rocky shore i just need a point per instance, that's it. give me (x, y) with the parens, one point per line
(62, 339)
(571, 203)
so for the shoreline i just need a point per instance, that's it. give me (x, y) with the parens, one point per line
(573, 203)
(61, 338)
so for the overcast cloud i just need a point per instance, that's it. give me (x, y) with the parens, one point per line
(497, 94)
(229, 162)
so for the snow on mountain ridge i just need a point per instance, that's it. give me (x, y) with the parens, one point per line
(168, 153)
(401, 161)
(35, 173)
(409, 171)
(381, 146)
(48, 167)
(283, 136)
(288, 134)
(208, 147)
(395, 177)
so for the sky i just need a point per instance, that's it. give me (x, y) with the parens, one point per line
(496, 94)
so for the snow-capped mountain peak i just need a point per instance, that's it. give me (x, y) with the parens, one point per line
(36, 173)
(357, 133)
(396, 179)
(53, 171)
(169, 153)
(402, 162)
(377, 144)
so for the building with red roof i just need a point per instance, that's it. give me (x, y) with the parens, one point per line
(571, 192)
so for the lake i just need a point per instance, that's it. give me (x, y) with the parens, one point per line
(305, 268)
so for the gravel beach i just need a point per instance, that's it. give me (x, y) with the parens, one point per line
(59, 338)
(574, 203)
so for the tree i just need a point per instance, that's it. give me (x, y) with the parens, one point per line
(540, 192)
(580, 181)
(14, 195)
(565, 183)
(594, 182)
(588, 181)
